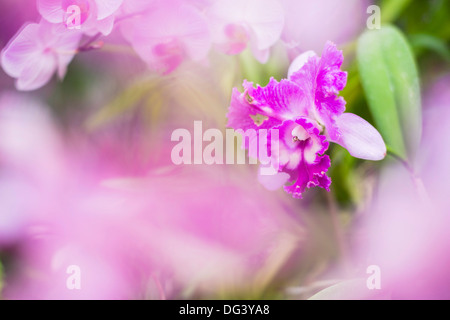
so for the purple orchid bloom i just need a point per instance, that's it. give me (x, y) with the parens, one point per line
(308, 114)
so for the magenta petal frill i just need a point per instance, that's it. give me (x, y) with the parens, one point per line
(301, 155)
(308, 114)
(323, 78)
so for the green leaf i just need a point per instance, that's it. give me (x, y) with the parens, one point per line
(391, 84)
(421, 42)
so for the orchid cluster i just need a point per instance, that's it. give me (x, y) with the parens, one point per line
(164, 33)
(308, 113)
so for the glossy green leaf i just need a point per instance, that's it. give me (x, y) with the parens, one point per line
(391, 84)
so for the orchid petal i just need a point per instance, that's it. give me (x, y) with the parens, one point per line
(300, 155)
(360, 138)
(105, 26)
(106, 8)
(16, 54)
(266, 19)
(272, 182)
(300, 61)
(323, 79)
(266, 107)
(261, 55)
(262, 19)
(37, 51)
(37, 73)
(51, 10)
(166, 36)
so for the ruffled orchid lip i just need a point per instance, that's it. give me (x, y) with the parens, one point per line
(302, 156)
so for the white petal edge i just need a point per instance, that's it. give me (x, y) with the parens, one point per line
(360, 138)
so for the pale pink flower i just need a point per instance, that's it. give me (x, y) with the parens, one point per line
(168, 34)
(408, 222)
(30, 161)
(237, 24)
(129, 233)
(309, 24)
(37, 51)
(95, 15)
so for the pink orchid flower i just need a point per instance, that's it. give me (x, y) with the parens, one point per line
(93, 15)
(337, 21)
(324, 79)
(167, 35)
(236, 24)
(37, 51)
(307, 113)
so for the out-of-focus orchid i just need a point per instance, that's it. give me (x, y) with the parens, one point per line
(331, 20)
(142, 236)
(307, 111)
(37, 52)
(236, 24)
(168, 34)
(21, 178)
(405, 226)
(92, 15)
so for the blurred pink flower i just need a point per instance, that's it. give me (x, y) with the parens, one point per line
(37, 52)
(95, 15)
(132, 235)
(408, 222)
(26, 132)
(337, 21)
(168, 34)
(403, 232)
(236, 24)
